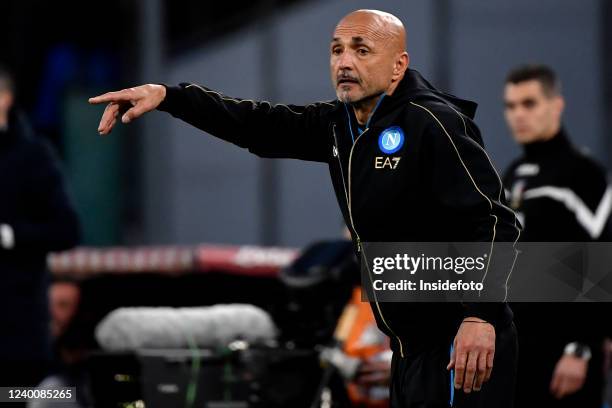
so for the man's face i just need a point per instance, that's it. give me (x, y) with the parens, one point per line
(361, 65)
(6, 100)
(64, 300)
(531, 114)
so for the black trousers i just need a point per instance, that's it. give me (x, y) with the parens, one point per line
(421, 380)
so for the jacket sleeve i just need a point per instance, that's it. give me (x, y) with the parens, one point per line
(275, 131)
(468, 188)
(48, 221)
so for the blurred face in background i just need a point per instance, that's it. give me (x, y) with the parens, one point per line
(532, 113)
(367, 55)
(6, 102)
(64, 298)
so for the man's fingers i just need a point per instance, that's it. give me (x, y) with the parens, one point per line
(572, 384)
(117, 96)
(134, 113)
(562, 388)
(481, 372)
(108, 118)
(110, 113)
(460, 365)
(490, 358)
(562, 385)
(555, 383)
(470, 372)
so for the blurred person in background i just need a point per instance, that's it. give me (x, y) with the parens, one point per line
(369, 388)
(560, 194)
(64, 299)
(449, 192)
(71, 342)
(36, 217)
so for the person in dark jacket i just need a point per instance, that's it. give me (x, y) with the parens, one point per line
(560, 194)
(36, 217)
(394, 145)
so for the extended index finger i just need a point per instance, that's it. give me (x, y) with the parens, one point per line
(117, 96)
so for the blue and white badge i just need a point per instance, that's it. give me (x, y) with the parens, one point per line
(391, 139)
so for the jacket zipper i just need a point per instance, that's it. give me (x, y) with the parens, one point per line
(347, 194)
(343, 182)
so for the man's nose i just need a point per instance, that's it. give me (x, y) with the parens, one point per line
(345, 61)
(520, 112)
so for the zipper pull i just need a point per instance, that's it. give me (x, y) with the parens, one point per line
(358, 244)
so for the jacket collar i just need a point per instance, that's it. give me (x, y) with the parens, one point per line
(558, 142)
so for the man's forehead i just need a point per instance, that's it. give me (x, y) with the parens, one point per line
(359, 33)
(525, 88)
(355, 39)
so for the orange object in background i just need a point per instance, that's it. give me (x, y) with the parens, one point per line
(366, 342)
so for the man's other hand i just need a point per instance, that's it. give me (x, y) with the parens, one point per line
(569, 376)
(374, 372)
(130, 103)
(473, 352)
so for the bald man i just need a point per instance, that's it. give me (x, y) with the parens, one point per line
(407, 165)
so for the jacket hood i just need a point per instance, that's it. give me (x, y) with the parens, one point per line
(414, 86)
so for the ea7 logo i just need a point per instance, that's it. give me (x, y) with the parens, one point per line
(385, 162)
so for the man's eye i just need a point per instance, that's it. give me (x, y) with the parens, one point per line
(530, 103)
(362, 51)
(336, 51)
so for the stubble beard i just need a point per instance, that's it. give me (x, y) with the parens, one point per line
(344, 95)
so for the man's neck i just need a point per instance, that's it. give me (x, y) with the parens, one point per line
(552, 132)
(3, 122)
(364, 109)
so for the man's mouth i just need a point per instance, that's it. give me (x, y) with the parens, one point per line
(347, 80)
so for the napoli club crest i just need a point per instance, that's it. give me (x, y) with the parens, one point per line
(391, 140)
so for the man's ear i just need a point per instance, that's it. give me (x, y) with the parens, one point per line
(401, 65)
(559, 104)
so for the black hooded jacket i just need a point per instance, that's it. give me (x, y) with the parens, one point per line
(439, 184)
(562, 195)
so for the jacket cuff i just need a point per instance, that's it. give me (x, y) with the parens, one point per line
(172, 95)
(491, 312)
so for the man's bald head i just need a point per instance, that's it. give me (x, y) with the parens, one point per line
(368, 55)
(378, 24)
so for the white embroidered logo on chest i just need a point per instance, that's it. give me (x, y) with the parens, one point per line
(527, 170)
